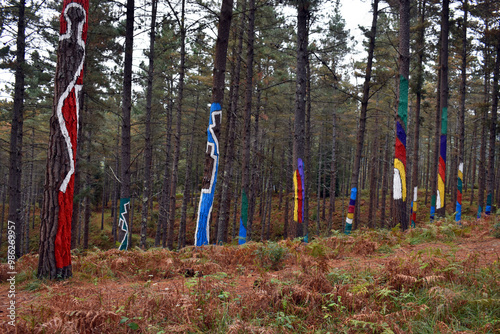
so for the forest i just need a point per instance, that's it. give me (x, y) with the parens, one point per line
(291, 94)
(322, 168)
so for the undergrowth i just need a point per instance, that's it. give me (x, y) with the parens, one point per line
(431, 279)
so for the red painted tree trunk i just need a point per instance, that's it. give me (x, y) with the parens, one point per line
(57, 209)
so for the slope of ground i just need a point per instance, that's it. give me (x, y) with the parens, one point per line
(438, 278)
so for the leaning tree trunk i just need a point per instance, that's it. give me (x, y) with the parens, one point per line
(362, 120)
(212, 153)
(123, 223)
(55, 230)
(16, 135)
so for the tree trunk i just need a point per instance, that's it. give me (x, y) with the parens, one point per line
(187, 182)
(16, 134)
(461, 117)
(55, 230)
(4, 198)
(245, 224)
(161, 229)
(373, 175)
(88, 185)
(300, 115)
(484, 115)
(124, 231)
(416, 116)
(177, 150)
(443, 103)
(333, 172)
(493, 131)
(400, 153)
(212, 153)
(148, 149)
(231, 136)
(318, 191)
(362, 120)
(435, 153)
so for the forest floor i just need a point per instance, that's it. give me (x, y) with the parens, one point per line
(437, 278)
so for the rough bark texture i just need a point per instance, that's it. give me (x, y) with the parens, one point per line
(16, 133)
(55, 230)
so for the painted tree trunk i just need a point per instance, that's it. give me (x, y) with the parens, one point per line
(299, 194)
(362, 120)
(461, 118)
(57, 209)
(210, 176)
(123, 223)
(299, 139)
(443, 102)
(416, 116)
(400, 171)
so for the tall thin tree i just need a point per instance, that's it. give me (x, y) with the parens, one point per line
(443, 104)
(400, 154)
(16, 133)
(148, 149)
(362, 119)
(213, 131)
(123, 223)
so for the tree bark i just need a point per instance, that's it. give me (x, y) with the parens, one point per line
(493, 130)
(333, 172)
(124, 219)
(16, 134)
(300, 115)
(55, 230)
(400, 152)
(177, 150)
(212, 153)
(231, 135)
(148, 149)
(443, 103)
(362, 120)
(416, 116)
(246, 224)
